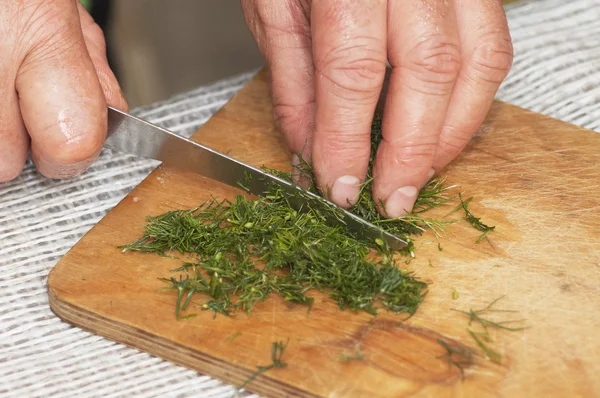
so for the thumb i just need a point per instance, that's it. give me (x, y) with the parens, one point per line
(61, 100)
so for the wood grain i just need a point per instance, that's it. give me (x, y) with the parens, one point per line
(536, 179)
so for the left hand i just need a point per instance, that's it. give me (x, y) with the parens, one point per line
(327, 60)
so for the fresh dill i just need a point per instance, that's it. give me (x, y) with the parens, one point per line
(455, 294)
(434, 194)
(246, 250)
(233, 337)
(357, 356)
(277, 350)
(457, 356)
(474, 221)
(482, 337)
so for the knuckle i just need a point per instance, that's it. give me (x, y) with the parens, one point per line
(46, 44)
(45, 21)
(453, 142)
(492, 57)
(355, 68)
(413, 154)
(335, 145)
(295, 122)
(285, 18)
(435, 59)
(288, 117)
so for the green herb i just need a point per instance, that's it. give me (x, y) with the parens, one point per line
(276, 354)
(357, 356)
(474, 221)
(455, 294)
(434, 194)
(440, 247)
(246, 250)
(298, 250)
(457, 356)
(483, 337)
(494, 356)
(181, 285)
(233, 337)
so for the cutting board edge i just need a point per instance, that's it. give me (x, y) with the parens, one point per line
(151, 344)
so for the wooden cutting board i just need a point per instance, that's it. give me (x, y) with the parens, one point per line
(536, 179)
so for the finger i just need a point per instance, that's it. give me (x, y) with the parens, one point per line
(487, 58)
(61, 100)
(424, 54)
(349, 50)
(96, 46)
(14, 140)
(282, 32)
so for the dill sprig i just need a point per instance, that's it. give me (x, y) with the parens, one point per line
(483, 338)
(277, 350)
(357, 356)
(457, 356)
(474, 221)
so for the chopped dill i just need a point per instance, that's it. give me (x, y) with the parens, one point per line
(483, 337)
(455, 294)
(474, 221)
(456, 356)
(357, 356)
(297, 252)
(233, 337)
(434, 194)
(245, 250)
(277, 350)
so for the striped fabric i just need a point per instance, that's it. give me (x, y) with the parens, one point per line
(556, 72)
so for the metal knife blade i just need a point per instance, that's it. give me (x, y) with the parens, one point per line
(129, 134)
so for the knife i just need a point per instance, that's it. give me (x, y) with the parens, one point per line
(135, 136)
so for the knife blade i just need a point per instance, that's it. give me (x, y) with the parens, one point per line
(131, 135)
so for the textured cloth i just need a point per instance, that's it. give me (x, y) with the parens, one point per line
(556, 72)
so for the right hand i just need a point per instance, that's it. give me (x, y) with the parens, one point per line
(55, 84)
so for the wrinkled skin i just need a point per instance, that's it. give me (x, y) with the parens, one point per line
(55, 84)
(327, 60)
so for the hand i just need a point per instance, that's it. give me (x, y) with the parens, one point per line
(55, 84)
(327, 60)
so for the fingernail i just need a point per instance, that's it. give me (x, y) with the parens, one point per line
(430, 174)
(345, 189)
(401, 201)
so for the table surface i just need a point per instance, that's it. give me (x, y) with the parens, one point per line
(556, 72)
